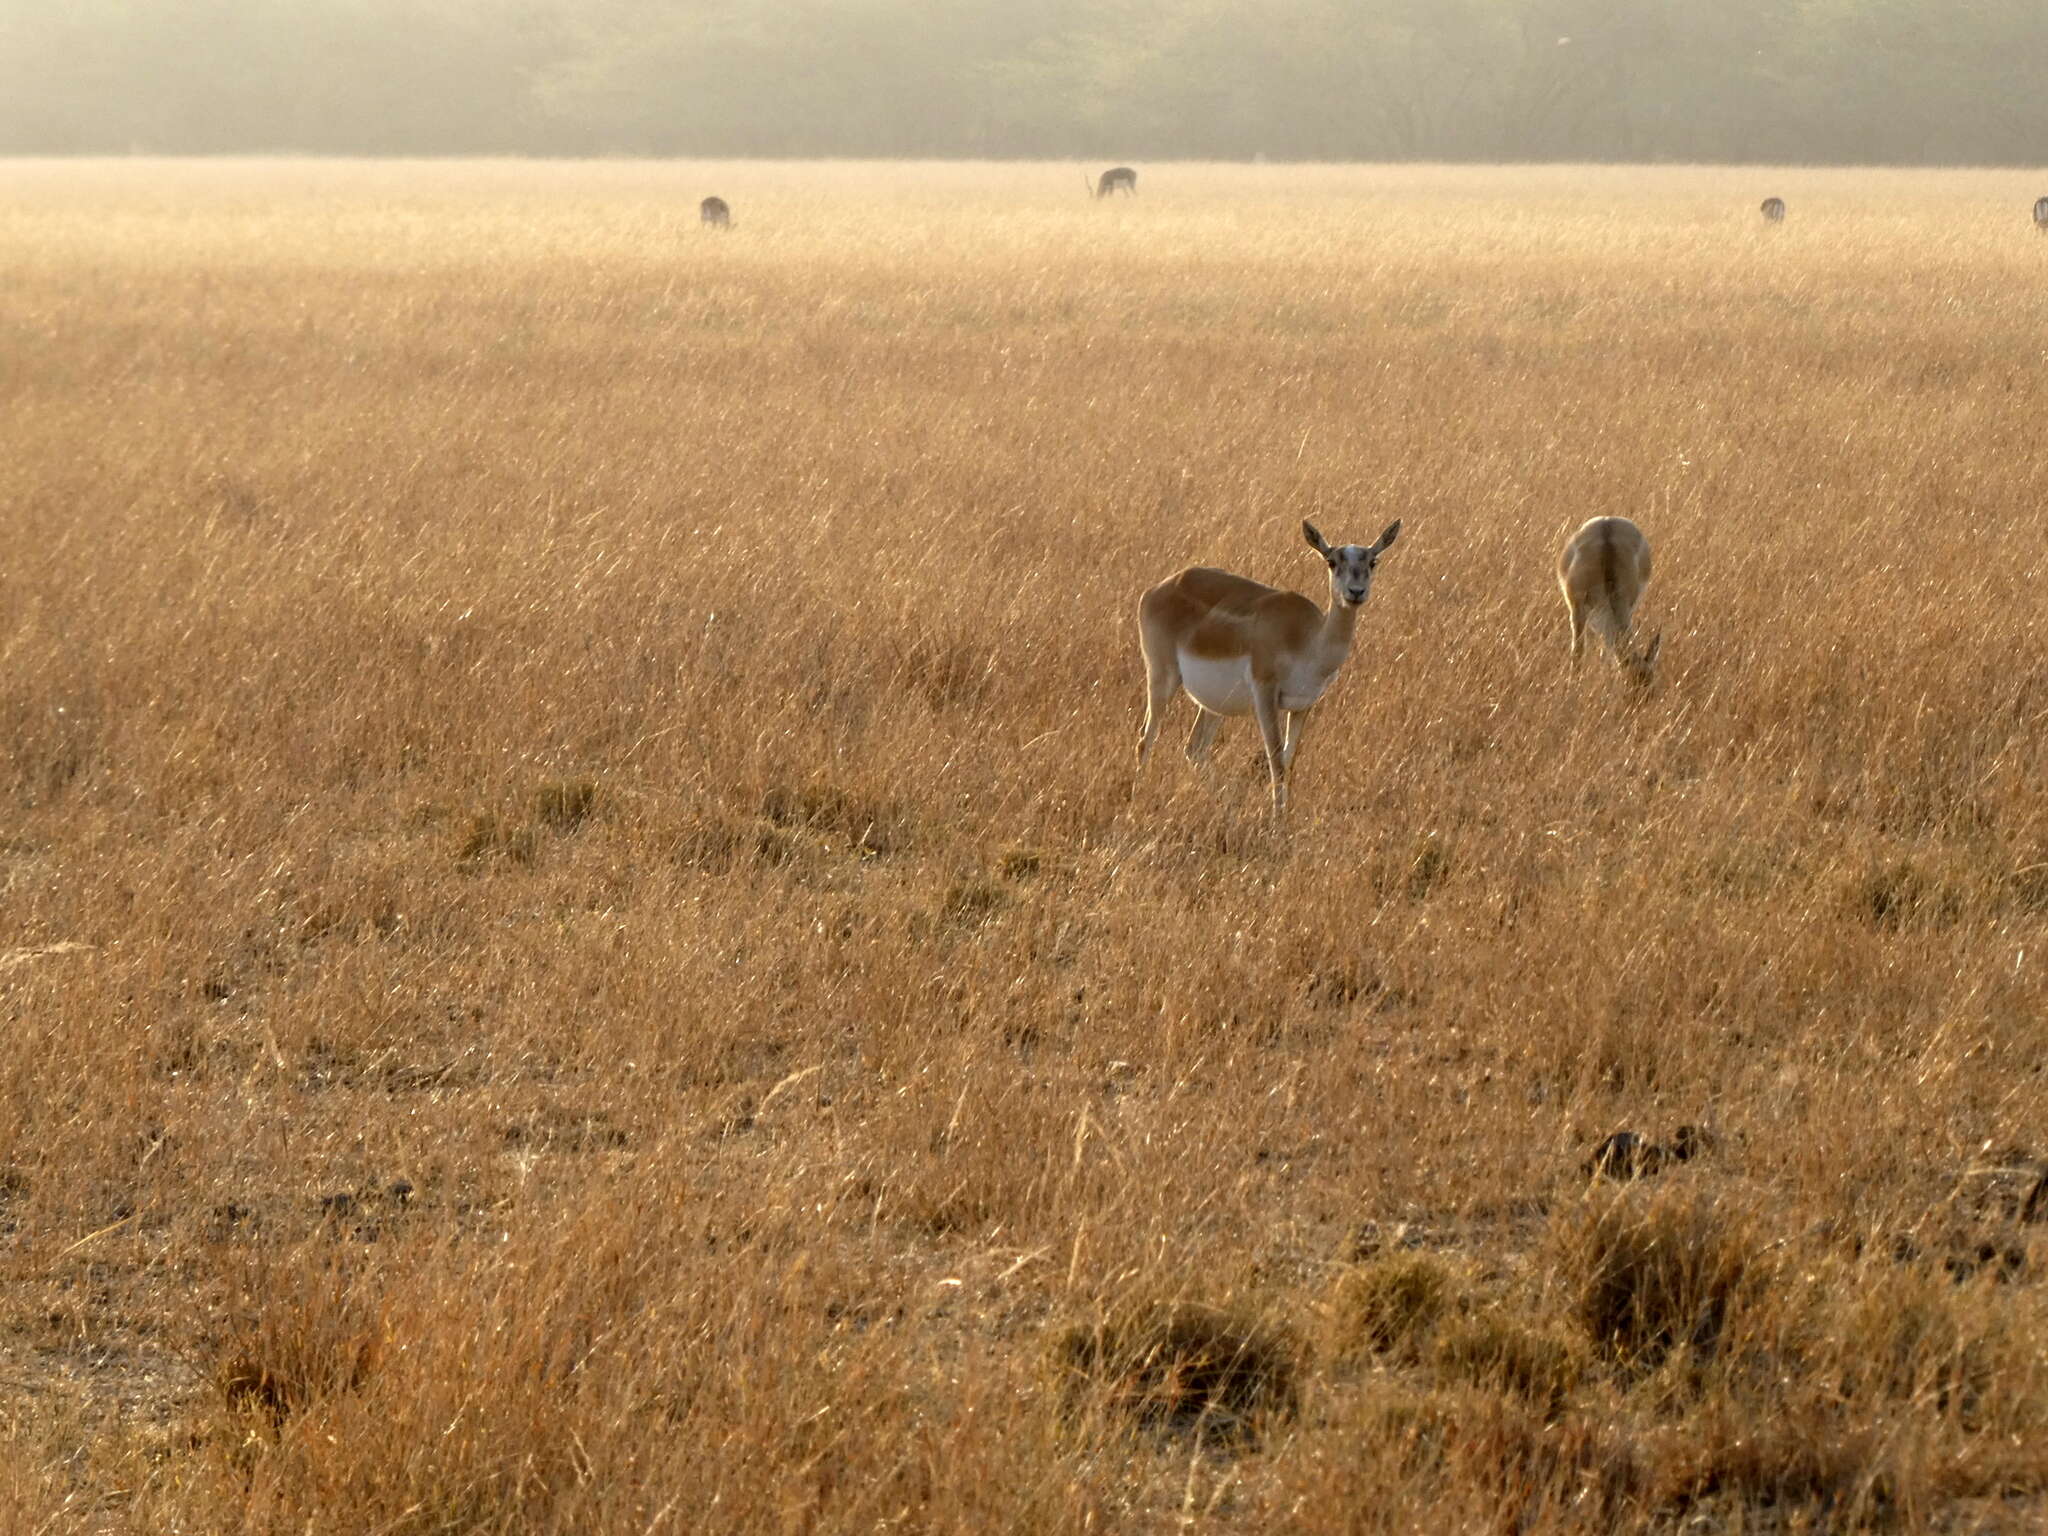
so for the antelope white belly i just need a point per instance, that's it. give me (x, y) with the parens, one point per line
(1221, 687)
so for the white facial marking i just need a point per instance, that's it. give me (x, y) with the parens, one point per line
(1351, 573)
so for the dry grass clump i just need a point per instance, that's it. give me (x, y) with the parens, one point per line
(1391, 1305)
(1533, 1360)
(306, 1333)
(1914, 1337)
(1223, 1372)
(588, 1376)
(579, 949)
(1479, 1459)
(1881, 1394)
(1660, 1273)
(565, 804)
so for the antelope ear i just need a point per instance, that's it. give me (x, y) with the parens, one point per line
(1393, 532)
(1315, 540)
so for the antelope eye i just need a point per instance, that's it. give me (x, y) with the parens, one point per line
(1331, 564)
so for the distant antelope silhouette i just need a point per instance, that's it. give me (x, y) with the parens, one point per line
(2041, 214)
(1774, 210)
(1117, 178)
(713, 211)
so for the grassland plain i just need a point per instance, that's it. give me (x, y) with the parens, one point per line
(579, 949)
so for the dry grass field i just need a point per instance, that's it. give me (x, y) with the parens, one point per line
(580, 950)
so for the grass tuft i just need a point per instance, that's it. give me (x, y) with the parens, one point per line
(491, 835)
(1391, 1305)
(1497, 1352)
(1183, 1366)
(1654, 1275)
(565, 804)
(304, 1336)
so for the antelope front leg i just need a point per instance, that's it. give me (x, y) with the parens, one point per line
(1297, 722)
(1266, 705)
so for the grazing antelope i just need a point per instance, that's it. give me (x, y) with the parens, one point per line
(2041, 214)
(1603, 571)
(713, 211)
(1242, 648)
(1774, 210)
(1115, 178)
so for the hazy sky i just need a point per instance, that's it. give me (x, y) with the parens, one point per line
(1906, 81)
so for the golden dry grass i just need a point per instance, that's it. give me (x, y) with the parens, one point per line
(581, 953)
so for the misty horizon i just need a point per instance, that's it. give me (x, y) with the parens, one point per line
(1753, 81)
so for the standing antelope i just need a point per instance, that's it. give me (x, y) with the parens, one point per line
(1117, 177)
(2041, 214)
(713, 211)
(1774, 210)
(1603, 571)
(1240, 647)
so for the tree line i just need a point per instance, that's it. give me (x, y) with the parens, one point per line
(1821, 81)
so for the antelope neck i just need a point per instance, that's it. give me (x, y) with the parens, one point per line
(1339, 621)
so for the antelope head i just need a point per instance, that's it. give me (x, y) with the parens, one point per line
(1642, 669)
(1351, 565)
